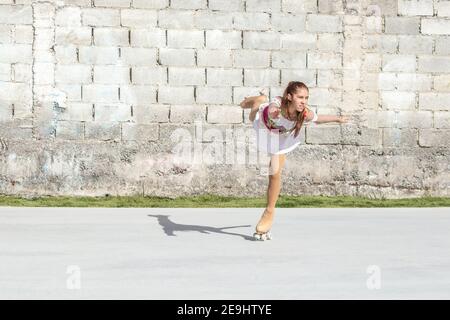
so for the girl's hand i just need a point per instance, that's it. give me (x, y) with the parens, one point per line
(343, 119)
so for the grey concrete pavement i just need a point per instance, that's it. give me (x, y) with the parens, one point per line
(100, 253)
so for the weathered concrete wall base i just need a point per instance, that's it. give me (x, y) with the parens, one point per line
(96, 169)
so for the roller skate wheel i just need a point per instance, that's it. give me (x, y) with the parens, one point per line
(258, 236)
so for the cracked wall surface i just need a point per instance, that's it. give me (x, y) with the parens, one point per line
(142, 97)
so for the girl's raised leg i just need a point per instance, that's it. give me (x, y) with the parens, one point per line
(253, 102)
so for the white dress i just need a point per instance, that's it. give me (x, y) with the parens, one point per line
(276, 141)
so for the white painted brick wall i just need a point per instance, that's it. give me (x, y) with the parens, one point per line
(148, 60)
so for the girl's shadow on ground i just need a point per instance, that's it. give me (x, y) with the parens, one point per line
(170, 227)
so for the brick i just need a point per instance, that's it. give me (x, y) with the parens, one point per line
(15, 53)
(112, 112)
(150, 4)
(251, 58)
(434, 101)
(155, 113)
(98, 55)
(360, 136)
(251, 21)
(138, 56)
(323, 134)
(226, 5)
(394, 137)
(187, 113)
(176, 19)
(289, 59)
(224, 114)
(71, 91)
(224, 77)
(415, 119)
(185, 39)
(113, 3)
(380, 43)
(204, 20)
(330, 42)
(69, 130)
(434, 64)
(294, 6)
(149, 75)
(104, 131)
(261, 77)
(399, 63)
(16, 15)
(263, 5)
(5, 34)
(22, 72)
(398, 100)
(68, 17)
(140, 132)
(5, 72)
(299, 41)
(186, 76)
(379, 119)
(442, 120)
(435, 26)
(100, 17)
(442, 83)
(415, 44)
(288, 22)
(214, 58)
(324, 60)
(261, 40)
(402, 25)
(100, 93)
(303, 75)
(323, 97)
(111, 37)
(177, 57)
(137, 18)
(415, 7)
(77, 111)
(137, 95)
(154, 38)
(217, 39)
(443, 8)
(73, 74)
(434, 137)
(10, 91)
(66, 54)
(325, 79)
(404, 81)
(323, 23)
(176, 95)
(442, 46)
(73, 36)
(373, 24)
(214, 95)
(111, 75)
(331, 6)
(23, 34)
(188, 4)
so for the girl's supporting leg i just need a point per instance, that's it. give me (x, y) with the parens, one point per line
(273, 192)
(253, 103)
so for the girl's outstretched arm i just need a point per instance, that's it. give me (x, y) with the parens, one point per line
(329, 118)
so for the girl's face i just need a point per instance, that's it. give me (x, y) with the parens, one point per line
(299, 99)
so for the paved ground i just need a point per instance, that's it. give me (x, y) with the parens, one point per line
(90, 253)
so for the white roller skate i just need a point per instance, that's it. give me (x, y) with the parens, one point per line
(263, 227)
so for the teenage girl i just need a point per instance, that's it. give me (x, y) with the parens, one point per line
(278, 125)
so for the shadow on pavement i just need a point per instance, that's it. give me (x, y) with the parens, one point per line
(170, 227)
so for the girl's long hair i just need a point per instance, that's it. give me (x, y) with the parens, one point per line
(291, 88)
